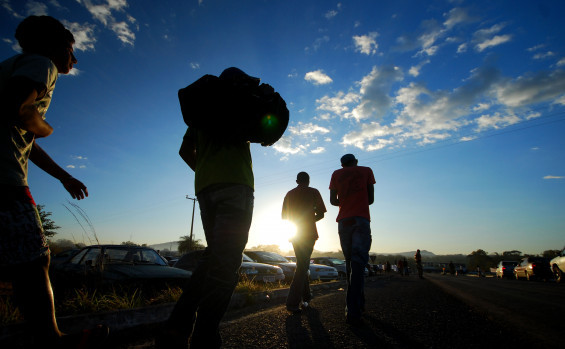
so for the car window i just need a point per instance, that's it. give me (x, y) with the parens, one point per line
(76, 259)
(92, 255)
(336, 261)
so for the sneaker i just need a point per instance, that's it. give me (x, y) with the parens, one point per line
(304, 305)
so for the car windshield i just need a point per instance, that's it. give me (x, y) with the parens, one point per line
(271, 257)
(246, 258)
(119, 255)
(336, 261)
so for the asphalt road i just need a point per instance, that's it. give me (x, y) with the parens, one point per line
(402, 312)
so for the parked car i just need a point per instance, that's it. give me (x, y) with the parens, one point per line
(319, 271)
(62, 256)
(253, 271)
(558, 266)
(101, 266)
(332, 262)
(288, 267)
(533, 268)
(505, 269)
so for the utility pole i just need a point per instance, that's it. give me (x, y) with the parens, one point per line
(192, 222)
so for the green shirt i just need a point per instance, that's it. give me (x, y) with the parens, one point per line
(220, 162)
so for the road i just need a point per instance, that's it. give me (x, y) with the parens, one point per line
(406, 312)
(533, 308)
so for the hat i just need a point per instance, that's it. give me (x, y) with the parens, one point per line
(348, 159)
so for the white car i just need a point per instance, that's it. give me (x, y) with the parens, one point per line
(323, 272)
(558, 266)
(319, 271)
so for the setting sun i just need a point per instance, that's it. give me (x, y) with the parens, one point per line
(272, 229)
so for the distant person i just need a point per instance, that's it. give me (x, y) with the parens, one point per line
(418, 260)
(224, 187)
(405, 265)
(451, 268)
(303, 206)
(352, 189)
(400, 266)
(27, 82)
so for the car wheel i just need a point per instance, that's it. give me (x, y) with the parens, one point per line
(558, 274)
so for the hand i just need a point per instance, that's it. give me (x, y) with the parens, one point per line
(75, 188)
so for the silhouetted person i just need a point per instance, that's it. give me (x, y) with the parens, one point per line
(303, 206)
(400, 266)
(224, 187)
(405, 265)
(418, 259)
(352, 189)
(27, 82)
(451, 268)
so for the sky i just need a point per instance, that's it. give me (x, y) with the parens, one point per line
(456, 106)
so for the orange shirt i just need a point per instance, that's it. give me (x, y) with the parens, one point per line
(351, 186)
(299, 207)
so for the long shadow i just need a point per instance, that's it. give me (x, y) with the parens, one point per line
(320, 336)
(296, 334)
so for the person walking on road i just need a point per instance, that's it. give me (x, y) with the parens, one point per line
(303, 206)
(27, 82)
(352, 189)
(418, 259)
(224, 187)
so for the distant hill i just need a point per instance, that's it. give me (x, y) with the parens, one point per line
(411, 254)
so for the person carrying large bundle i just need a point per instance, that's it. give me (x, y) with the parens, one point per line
(223, 115)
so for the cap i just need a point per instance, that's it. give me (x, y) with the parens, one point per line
(348, 159)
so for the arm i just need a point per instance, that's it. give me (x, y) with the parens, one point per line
(371, 193)
(75, 187)
(188, 150)
(333, 197)
(19, 104)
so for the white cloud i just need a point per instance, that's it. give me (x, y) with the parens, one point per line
(338, 104)
(496, 121)
(561, 62)
(70, 166)
(366, 44)
(457, 16)
(318, 43)
(318, 150)
(553, 177)
(35, 8)
(532, 88)
(318, 77)
(373, 133)
(375, 88)
(462, 48)
(544, 55)
(307, 129)
(330, 14)
(105, 13)
(415, 70)
(284, 145)
(495, 41)
(194, 65)
(84, 35)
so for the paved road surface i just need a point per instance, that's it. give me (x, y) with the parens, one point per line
(402, 312)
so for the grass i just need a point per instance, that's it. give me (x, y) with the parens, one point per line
(83, 301)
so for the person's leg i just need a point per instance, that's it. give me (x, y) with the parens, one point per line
(360, 245)
(297, 291)
(226, 242)
(34, 297)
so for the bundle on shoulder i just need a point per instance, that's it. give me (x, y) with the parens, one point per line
(235, 107)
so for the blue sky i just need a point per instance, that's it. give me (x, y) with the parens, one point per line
(457, 106)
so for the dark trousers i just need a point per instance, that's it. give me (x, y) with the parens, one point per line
(300, 286)
(226, 217)
(355, 239)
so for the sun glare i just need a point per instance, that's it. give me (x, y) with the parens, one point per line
(272, 229)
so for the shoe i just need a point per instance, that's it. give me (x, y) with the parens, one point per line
(305, 305)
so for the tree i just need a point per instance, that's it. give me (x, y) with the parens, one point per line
(551, 253)
(129, 243)
(186, 245)
(48, 224)
(481, 259)
(269, 248)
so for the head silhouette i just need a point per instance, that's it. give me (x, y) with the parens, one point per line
(303, 178)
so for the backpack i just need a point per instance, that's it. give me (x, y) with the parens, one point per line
(231, 112)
